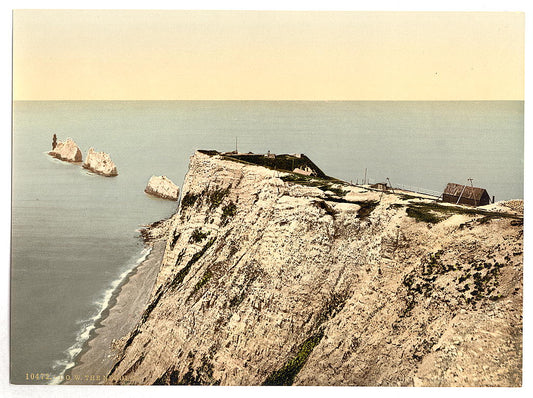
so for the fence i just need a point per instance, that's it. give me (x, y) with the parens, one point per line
(423, 191)
(410, 188)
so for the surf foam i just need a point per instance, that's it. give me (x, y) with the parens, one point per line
(62, 366)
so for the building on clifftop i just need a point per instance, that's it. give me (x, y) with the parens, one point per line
(465, 195)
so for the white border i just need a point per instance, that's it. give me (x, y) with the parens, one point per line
(8, 390)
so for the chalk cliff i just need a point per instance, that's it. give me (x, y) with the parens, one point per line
(67, 151)
(268, 279)
(100, 163)
(162, 187)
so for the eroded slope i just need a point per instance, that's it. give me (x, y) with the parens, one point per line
(266, 281)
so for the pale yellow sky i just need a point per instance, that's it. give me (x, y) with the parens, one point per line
(267, 55)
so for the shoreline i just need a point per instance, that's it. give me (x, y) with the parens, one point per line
(124, 309)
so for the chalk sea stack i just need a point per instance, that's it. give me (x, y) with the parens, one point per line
(100, 163)
(67, 151)
(162, 187)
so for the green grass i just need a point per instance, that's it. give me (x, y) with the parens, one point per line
(434, 212)
(405, 196)
(188, 200)
(216, 196)
(302, 179)
(424, 215)
(282, 162)
(336, 190)
(202, 282)
(473, 282)
(285, 376)
(197, 235)
(213, 198)
(210, 152)
(228, 212)
(323, 183)
(180, 276)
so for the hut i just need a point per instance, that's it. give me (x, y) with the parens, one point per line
(465, 195)
(382, 186)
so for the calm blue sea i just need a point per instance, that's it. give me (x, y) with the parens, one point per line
(74, 234)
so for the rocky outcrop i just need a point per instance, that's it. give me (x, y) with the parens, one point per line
(268, 279)
(162, 187)
(67, 151)
(100, 163)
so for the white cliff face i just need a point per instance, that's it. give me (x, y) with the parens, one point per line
(162, 187)
(100, 163)
(67, 151)
(267, 281)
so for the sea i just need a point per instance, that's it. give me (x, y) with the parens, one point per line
(75, 234)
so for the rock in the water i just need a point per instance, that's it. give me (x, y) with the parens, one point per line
(100, 163)
(162, 187)
(67, 151)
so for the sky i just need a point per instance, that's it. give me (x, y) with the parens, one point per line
(267, 55)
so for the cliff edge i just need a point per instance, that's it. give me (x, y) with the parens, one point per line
(281, 279)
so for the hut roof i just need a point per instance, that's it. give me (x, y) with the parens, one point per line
(469, 192)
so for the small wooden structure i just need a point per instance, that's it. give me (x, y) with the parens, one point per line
(382, 186)
(465, 195)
